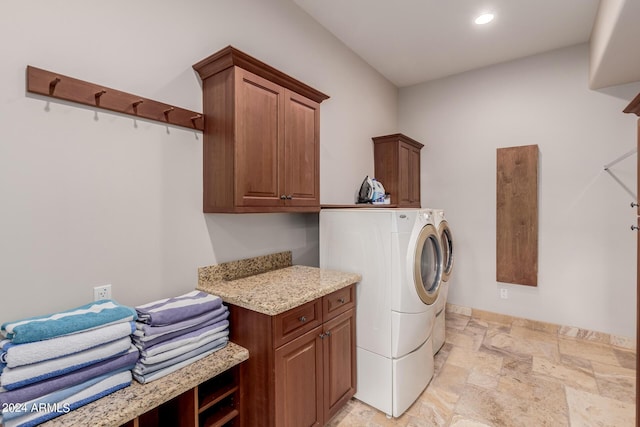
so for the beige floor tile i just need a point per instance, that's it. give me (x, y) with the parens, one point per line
(502, 371)
(626, 358)
(567, 375)
(476, 361)
(456, 321)
(615, 382)
(589, 409)
(594, 351)
(460, 421)
(519, 347)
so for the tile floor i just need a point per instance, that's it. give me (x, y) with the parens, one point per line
(497, 371)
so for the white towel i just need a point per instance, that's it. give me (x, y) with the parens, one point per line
(39, 351)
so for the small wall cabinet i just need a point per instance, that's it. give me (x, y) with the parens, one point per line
(397, 167)
(261, 148)
(302, 368)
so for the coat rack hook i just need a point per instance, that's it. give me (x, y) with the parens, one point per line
(194, 118)
(136, 103)
(52, 85)
(167, 111)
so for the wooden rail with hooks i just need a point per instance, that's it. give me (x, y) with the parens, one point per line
(56, 85)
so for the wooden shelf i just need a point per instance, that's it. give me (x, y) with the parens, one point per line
(210, 401)
(48, 83)
(220, 418)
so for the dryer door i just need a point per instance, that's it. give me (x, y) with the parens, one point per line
(446, 240)
(427, 269)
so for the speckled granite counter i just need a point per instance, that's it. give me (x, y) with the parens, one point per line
(126, 404)
(277, 291)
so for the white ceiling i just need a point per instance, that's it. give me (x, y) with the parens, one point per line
(413, 41)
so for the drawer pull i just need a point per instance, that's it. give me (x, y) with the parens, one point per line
(341, 300)
(302, 319)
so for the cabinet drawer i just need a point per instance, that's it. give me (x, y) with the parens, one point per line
(295, 322)
(338, 302)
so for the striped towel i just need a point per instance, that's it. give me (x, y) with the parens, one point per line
(146, 332)
(144, 369)
(147, 342)
(182, 343)
(14, 355)
(126, 361)
(145, 378)
(89, 316)
(172, 310)
(106, 385)
(13, 378)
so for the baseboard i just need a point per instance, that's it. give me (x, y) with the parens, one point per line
(552, 328)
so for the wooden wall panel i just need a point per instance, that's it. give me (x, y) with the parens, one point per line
(517, 215)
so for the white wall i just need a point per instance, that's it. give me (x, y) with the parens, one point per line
(91, 197)
(586, 250)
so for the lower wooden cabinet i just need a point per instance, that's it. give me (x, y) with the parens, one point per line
(214, 403)
(302, 365)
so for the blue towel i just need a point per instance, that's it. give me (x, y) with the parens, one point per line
(172, 310)
(94, 391)
(33, 391)
(89, 316)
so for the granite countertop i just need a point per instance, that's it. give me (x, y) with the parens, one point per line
(279, 290)
(124, 405)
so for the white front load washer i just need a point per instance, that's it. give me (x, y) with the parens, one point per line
(446, 242)
(398, 254)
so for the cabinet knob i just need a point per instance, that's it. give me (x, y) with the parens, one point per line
(283, 197)
(327, 334)
(290, 196)
(634, 205)
(322, 336)
(635, 228)
(341, 300)
(302, 319)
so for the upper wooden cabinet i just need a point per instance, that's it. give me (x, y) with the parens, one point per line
(261, 148)
(397, 167)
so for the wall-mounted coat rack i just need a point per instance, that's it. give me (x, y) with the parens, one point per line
(59, 86)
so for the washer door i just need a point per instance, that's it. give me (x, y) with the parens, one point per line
(427, 269)
(446, 240)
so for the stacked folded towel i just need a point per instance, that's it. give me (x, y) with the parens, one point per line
(50, 365)
(174, 332)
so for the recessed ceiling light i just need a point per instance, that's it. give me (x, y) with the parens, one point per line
(485, 18)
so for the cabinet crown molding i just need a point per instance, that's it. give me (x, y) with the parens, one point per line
(230, 56)
(397, 137)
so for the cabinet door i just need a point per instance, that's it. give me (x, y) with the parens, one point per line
(259, 136)
(298, 378)
(339, 362)
(301, 152)
(414, 177)
(404, 175)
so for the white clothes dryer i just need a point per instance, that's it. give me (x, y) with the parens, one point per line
(398, 254)
(446, 242)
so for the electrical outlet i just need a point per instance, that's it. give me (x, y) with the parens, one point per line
(504, 293)
(102, 292)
